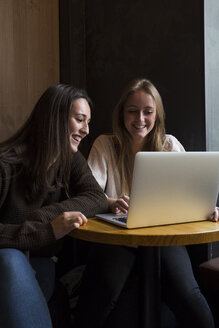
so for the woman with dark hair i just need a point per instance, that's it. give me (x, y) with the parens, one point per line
(138, 125)
(46, 190)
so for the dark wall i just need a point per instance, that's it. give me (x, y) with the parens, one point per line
(105, 44)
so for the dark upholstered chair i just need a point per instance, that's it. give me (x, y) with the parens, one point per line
(209, 283)
(209, 275)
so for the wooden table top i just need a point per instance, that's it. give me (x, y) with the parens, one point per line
(169, 235)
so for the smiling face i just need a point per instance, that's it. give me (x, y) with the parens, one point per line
(78, 125)
(139, 115)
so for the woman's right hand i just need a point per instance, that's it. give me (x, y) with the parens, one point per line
(120, 205)
(66, 222)
(215, 216)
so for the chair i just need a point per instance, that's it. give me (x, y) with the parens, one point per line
(209, 275)
(209, 283)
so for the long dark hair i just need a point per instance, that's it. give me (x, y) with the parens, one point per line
(43, 140)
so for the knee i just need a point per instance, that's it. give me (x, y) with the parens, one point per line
(12, 261)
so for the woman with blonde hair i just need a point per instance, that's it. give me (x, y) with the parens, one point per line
(138, 125)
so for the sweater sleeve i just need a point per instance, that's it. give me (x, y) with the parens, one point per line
(36, 231)
(28, 235)
(86, 196)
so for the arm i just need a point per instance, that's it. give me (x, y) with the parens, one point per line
(19, 235)
(172, 144)
(36, 232)
(97, 161)
(33, 235)
(66, 222)
(86, 196)
(102, 163)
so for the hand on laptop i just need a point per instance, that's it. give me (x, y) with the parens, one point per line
(120, 205)
(215, 215)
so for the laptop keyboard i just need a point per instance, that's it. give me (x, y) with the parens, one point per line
(120, 219)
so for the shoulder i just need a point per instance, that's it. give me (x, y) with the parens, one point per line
(171, 143)
(103, 141)
(103, 145)
(79, 166)
(78, 158)
(102, 152)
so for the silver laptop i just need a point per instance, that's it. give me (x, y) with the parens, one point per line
(170, 188)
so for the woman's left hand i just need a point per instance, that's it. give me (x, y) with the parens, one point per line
(215, 215)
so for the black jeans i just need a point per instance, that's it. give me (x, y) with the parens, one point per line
(180, 289)
(110, 267)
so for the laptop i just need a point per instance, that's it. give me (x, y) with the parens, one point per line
(170, 188)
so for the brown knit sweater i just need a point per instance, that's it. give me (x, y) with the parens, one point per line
(26, 225)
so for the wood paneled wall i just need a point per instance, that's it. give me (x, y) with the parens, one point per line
(29, 57)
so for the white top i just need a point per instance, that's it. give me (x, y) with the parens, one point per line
(103, 163)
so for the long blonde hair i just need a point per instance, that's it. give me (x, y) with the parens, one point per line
(122, 138)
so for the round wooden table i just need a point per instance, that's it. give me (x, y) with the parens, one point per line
(99, 231)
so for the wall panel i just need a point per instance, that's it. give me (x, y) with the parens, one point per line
(29, 57)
